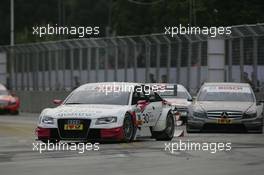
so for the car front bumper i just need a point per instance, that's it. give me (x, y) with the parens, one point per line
(237, 125)
(92, 134)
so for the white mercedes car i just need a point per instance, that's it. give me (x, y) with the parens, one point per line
(225, 107)
(103, 111)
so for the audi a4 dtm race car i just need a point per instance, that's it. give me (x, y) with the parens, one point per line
(225, 107)
(103, 111)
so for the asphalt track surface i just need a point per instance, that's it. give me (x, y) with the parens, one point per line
(144, 156)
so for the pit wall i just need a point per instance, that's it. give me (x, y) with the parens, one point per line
(35, 101)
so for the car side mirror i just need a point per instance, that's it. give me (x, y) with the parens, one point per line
(141, 102)
(57, 102)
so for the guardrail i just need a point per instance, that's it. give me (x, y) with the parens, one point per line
(63, 65)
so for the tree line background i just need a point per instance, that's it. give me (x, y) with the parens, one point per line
(122, 17)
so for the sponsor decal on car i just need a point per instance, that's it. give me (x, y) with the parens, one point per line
(73, 125)
(228, 88)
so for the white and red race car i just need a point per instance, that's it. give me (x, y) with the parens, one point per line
(9, 103)
(103, 111)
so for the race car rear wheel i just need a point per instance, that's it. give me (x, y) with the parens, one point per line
(168, 133)
(128, 128)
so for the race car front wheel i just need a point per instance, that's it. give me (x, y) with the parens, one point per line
(128, 129)
(168, 133)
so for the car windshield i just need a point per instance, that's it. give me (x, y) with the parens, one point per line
(226, 93)
(180, 94)
(97, 97)
(3, 92)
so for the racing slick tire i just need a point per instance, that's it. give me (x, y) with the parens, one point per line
(168, 133)
(128, 129)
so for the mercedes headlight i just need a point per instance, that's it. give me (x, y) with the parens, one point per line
(47, 120)
(199, 114)
(106, 120)
(250, 113)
